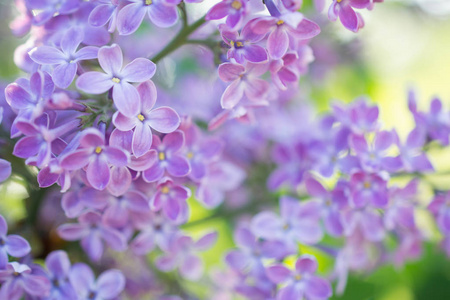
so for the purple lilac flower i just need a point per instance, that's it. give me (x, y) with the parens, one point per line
(40, 142)
(234, 10)
(5, 169)
(200, 151)
(244, 81)
(373, 158)
(436, 122)
(160, 12)
(12, 244)
(411, 154)
(170, 158)
(281, 28)
(125, 96)
(332, 203)
(298, 223)
(58, 266)
(252, 252)
(123, 140)
(48, 8)
(182, 254)
(344, 10)
(440, 208)
(157, 229)
(29, 97)
(94, 154)
(243, 46)
(106, 11)
(18, 280)
(171, 198)
(65, 60)
(92, 231)
(283, 70)
(163, 119)
(108, 286)
(300, 283)
(359, 117)
(121, 209)
(368, 189)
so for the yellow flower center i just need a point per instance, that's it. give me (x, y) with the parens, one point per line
(367, 185)
(115, 79)
(190, 155)
(280, 22)
(141, 117)
(98, 150)
(239, 44)
(298, 277)
(236, 5)
(148, 2)
(165, 190)
(338, 1)
(161, 156)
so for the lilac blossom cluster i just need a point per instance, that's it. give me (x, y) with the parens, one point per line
(129, 152)
(57, 279)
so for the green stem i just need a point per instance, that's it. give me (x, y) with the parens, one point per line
(179, 40)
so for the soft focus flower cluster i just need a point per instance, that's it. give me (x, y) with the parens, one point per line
(118, 136)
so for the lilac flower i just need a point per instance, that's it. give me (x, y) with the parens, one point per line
(332, 204)
(58, 266)
(344, 10)
(48, 8)
(18, 280)
(298, 222)
(96, 156)
(163, 119)
(125, 96)
(234, 10)
(66, 59)
(106, 11)
(440, 208)
(358, 116)
(40, 142)
(436, 123)
(280, 28)
(368, 189)
(108, 286)
(182, 254)
(30, 97)
(5, 169)
(160, 12)
(170, 158)
(156, 230)
(171, 198)
(300, 283)
(365, 221)
(122, 208)
(12, 244)
(283, 70)
(252, 252)
(244, 81)
(373, 158)
(411, 154)
(92, 231)
(243, 46)
(199, 151)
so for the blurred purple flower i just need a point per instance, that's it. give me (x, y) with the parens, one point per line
(12, 244)
(300, 283)
(58, 266)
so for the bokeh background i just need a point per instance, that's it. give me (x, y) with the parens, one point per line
(404, 45)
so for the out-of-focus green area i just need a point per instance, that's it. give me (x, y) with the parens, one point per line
(401, 47)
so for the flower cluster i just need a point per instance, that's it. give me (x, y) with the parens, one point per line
(123, 138)
(58, 279)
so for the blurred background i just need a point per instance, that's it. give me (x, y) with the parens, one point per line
(404, 44)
